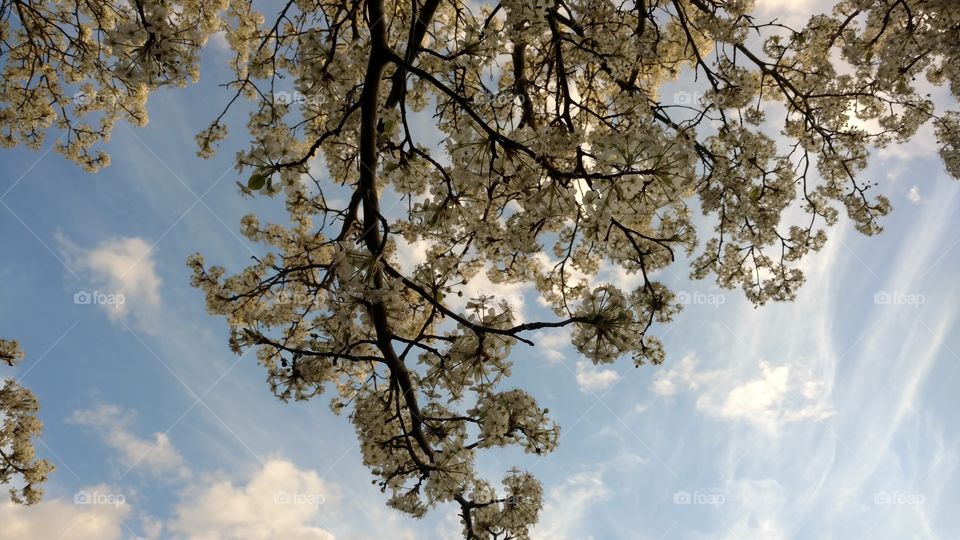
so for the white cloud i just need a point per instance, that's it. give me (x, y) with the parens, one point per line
(480, 284)
(683, 374)
(759, 505)
(793, 12)
(218, 41)
(157, 456)
(152, 527)
(592, 378)
(551, 343)
(567, 507)
(279, 501)
(60, 518)
(768, 399)
(409, 255)
(663, 386)
(121, 276)
(614, 274)
(914, 195)
(760, 395)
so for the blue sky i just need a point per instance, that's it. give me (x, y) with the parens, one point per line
(829, 417)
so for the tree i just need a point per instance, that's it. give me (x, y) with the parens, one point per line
(18, 407)
(64, 62)
(554, 132)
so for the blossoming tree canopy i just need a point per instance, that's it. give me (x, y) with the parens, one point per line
(559, 151)
(562, 148)
(81, 66)
(18, 411)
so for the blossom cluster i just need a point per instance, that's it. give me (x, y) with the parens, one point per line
(81, 67)
(18, 411)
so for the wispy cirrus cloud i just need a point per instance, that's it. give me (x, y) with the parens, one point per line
(156, 455)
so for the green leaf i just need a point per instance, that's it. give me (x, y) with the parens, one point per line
(257, 181)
